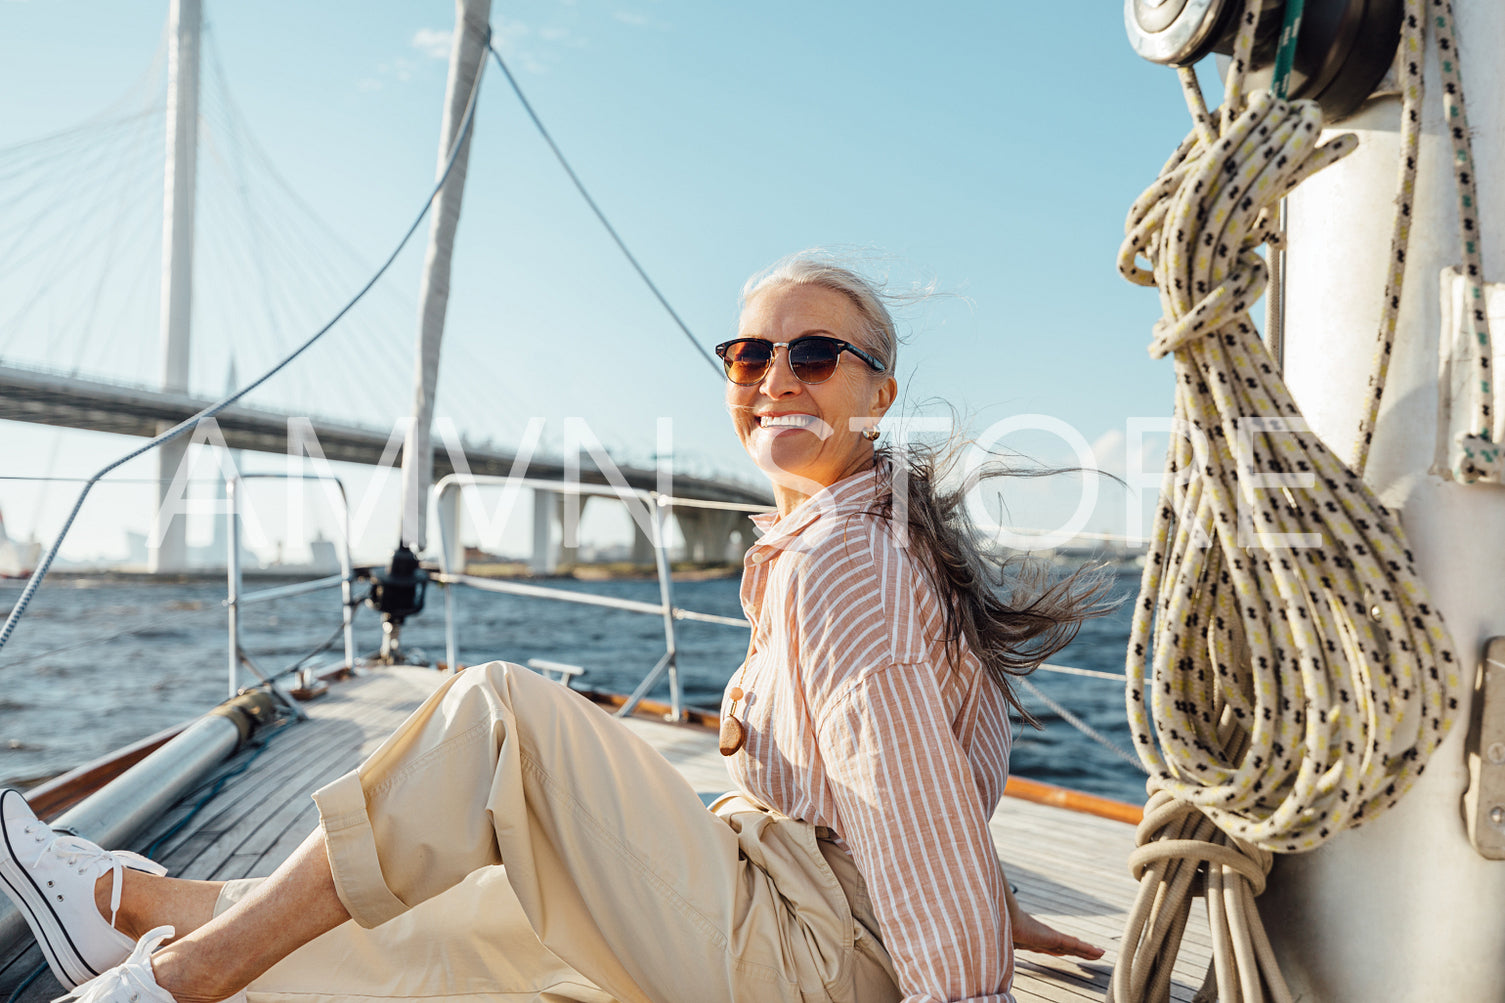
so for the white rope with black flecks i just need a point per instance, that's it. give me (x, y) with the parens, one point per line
(1301, 676)
(1478, 456)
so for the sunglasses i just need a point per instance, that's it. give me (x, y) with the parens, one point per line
(812, 358)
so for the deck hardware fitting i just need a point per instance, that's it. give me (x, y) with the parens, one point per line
(1486, 757)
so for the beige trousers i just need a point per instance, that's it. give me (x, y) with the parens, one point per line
(618, 884)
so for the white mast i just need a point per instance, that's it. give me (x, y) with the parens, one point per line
(1402, 908)
(168, 544)
(472, 20)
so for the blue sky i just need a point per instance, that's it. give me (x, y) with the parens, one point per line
(989, 149)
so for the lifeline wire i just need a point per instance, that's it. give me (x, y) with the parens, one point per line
(1080, 725)
(187, 424)
(611, 230)
(1301, 676)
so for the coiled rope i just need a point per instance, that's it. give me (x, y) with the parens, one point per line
(1301, 676)
(1475, 457)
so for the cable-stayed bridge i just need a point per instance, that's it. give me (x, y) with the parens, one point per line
(37, 396)
(253, 263)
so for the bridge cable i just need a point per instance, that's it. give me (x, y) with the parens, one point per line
(188, 424)
(611, 230)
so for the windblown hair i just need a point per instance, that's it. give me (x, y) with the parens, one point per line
(1011, 614)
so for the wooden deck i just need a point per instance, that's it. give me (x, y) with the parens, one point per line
(1068, 868)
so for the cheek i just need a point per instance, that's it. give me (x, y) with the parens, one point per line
(739, 409)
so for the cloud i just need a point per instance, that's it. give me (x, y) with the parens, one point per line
(400, 68)
(368, 84)
(433, 42)
(509, 30)
(534, 49)
(1108, 450)
(628, 17)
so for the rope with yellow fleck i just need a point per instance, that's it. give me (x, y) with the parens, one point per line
(1301, 676)
(1478, 456)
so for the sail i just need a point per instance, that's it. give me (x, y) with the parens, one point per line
(472, 33)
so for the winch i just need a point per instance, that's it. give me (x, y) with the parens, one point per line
(1343, 48)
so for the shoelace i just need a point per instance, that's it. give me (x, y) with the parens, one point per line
(129, 981)
(86, 856)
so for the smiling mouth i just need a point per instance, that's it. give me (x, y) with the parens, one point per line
(804, 421)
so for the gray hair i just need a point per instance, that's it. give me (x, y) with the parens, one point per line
(817, 267)
(1011, 615)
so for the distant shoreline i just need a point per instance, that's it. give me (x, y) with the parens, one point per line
(682, 572)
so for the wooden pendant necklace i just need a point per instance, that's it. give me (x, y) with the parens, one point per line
(733, 732)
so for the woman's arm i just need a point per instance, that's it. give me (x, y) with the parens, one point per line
(1032, 935)
(908, 810)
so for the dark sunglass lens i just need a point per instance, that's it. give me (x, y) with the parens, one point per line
(814, 359)
(747, 361)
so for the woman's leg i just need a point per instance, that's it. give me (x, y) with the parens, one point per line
(148, 901)
(616, 865)
(469, 944)
(220, 956)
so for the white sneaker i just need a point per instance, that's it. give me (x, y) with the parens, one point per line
(50, 877)
(133, 980)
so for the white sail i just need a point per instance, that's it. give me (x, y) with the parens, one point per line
(472, 31)
(168, 544)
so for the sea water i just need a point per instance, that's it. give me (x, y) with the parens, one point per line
(98, 662)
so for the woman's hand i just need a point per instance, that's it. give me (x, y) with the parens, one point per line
(1032, 935)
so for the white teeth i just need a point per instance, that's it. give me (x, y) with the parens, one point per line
(786, 420)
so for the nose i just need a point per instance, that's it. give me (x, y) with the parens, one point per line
(780, 380)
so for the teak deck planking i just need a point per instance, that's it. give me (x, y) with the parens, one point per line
(1069, 868)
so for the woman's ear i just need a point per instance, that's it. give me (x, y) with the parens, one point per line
(887, 391)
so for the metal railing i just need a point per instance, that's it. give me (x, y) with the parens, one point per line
(236, 597)
(657, 506)
(656, 509)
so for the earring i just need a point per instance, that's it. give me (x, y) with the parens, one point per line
(870, 434)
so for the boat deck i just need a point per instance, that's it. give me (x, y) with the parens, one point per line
(1068, 868)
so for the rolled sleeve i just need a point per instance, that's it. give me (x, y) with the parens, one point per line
(910, 813)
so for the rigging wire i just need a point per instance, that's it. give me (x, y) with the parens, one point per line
(611, 230)
(188, 424)
(297, 242)
(1080, 725)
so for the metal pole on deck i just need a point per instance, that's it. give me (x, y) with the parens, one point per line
(167, 548)
(472, 31)
(1402, 907)
(347, 573)
(233, 580)
(666, 596)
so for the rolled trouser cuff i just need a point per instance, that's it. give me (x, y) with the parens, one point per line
(353, 860)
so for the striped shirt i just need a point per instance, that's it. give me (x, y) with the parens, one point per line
(858, 719)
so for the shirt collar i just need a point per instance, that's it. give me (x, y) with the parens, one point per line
(846, 496)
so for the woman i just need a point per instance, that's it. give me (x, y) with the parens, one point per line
(867, 731)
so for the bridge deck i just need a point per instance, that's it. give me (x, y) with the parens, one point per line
(54, 399)
(1069, 868)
